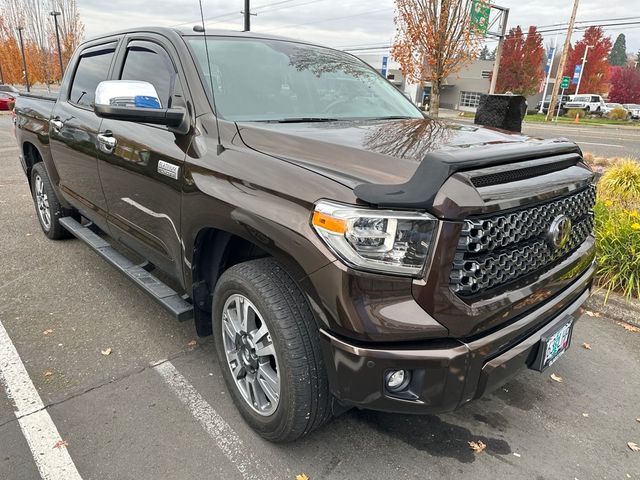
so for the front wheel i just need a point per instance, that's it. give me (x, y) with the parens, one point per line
(268, 347)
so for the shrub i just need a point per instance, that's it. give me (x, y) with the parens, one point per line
(617, 229)
(621, 184)
(618, 114)
(576, 111)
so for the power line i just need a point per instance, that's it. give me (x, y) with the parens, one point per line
(327, 19)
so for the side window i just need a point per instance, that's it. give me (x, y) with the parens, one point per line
(148, 62)
(93, 68)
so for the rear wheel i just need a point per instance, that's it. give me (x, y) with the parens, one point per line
(268, 347)
(48, 208)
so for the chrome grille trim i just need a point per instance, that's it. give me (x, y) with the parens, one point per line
(498, 249)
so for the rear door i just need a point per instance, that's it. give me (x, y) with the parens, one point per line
(74, 131)
(142, 175)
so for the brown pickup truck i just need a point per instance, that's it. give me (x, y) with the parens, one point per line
(344, 249)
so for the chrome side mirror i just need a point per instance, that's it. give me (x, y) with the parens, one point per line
(136, 101)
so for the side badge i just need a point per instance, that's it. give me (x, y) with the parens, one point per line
(168, 169)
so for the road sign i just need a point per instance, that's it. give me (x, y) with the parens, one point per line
(385, 62)
(576, 74)
(565, 82)
(480, 12)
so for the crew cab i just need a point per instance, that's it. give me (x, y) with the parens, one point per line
(344, 249)
(588, 103)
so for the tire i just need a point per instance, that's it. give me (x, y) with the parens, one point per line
(303, 403)
(48, 208)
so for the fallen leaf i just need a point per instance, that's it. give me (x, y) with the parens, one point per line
(106, 351)
(638, 419)
(586, 346)
(47, 332)
(633, 446)
(556, 378)
(478, 446)
(302, 476)
(628, 327)
(48, 373)
(585, 415)
(60, 444)
(192, 343)
(590, 313)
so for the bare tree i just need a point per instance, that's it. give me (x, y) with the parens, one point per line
(434, 39)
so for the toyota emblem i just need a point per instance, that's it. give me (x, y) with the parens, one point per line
(559, 231)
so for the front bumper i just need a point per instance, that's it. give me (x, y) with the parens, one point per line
(445, 374)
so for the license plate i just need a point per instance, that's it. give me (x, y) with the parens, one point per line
(553, 345)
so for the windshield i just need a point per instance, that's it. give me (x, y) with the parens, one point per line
(582, 99)
(272, 80)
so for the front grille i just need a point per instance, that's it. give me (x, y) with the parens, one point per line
(507, 176)
(498, 249)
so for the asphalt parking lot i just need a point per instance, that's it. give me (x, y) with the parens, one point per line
(156, 407)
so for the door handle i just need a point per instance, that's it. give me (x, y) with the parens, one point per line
(56, 124)
(107, 141)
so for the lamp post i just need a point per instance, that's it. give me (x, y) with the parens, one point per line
(584, 61)
(24, 59)
(55, 20)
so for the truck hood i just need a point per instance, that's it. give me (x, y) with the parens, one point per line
(389, 153)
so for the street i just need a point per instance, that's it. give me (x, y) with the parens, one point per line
(155, 405)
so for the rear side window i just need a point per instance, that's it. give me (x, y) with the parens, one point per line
(92, 69)
(148, 62)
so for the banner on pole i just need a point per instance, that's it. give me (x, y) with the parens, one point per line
(576, 74)
(547, 67)
(480, 12)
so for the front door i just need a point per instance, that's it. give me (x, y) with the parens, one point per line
(142, 173)
(74, 133)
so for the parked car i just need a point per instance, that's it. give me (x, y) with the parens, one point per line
(588, 103)
(608, 107)
(343, 249)
(6, 101)
(633, 109)
(9, 89)
(560, 104)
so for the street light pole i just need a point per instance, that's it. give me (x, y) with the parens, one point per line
(55, 21)
(24, 59)
(584, 61)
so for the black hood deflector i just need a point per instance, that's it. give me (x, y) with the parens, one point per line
(421, 189)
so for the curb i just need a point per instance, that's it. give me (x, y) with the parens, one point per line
(616, 308)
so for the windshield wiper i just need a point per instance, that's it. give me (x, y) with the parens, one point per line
(304, 120)
(395, 117)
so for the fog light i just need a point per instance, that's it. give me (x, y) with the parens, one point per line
(397, 380)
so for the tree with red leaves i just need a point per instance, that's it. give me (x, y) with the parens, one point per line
(595, 73)
(625, 85)
(521, 65)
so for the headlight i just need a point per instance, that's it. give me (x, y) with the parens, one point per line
(378, 240)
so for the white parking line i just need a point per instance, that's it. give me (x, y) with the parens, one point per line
(219, 430)
(51, 458)
(599, 144)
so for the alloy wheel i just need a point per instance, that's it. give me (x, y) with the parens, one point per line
(42, 202)
(250, 354)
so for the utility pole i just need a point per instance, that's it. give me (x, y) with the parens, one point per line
(247, 16)
(55, 21)
(1, 75)
(503, 33)
(584, 61)
(561, 65)
(24, 59)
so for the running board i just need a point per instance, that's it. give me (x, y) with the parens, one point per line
(160, 292)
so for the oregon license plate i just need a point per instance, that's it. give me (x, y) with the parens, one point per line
(553, 345)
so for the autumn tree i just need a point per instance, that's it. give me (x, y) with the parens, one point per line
(595, 73)
(618, 55)
(434, 39)
(625, 85)
(38, 36)
(521, 65)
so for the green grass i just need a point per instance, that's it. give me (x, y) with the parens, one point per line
(538, 118)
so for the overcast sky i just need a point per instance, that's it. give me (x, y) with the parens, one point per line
(337, 23)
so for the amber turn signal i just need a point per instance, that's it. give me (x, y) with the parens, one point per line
(335, 225)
